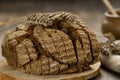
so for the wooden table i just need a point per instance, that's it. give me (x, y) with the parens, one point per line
(91, 12)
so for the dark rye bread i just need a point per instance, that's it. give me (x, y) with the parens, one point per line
(51, 43)
(81, 41)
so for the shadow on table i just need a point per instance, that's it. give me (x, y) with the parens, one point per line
(106, 74)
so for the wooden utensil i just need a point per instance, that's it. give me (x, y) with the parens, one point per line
(110, 8)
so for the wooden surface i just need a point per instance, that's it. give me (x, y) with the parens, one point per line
(91, 11)
(9, 73)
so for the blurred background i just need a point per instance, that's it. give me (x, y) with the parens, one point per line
(91, 11)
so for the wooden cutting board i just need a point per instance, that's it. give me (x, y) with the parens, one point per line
(9, 73)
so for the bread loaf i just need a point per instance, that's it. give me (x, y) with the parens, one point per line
(51, 43)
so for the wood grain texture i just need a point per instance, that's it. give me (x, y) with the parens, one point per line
(8, 73)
